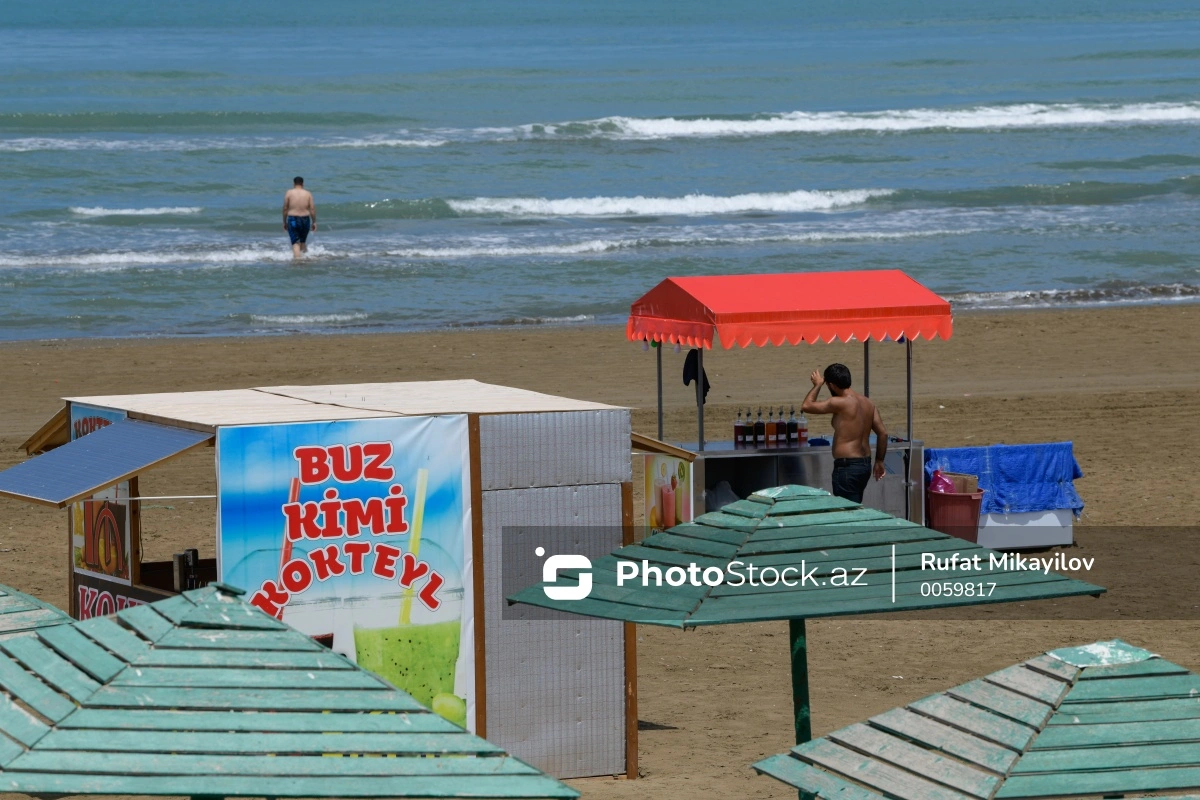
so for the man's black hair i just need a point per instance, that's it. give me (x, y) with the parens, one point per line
(297, 181)
(838, 375)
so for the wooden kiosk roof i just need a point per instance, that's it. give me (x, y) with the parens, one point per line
(266, 405)
(1104, 719)
(204, 695)
(277, 404)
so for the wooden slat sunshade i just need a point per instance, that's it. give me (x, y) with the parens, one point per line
(1106, 719)
(204, 695)
(20, 613)
(788, 527)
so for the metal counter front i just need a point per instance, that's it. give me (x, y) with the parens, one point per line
(748, 471)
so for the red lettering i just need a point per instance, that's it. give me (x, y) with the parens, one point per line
(357, 552)
(347, 462)
(428, 593)
(296, 575)
(376, 470)
(327, 562)
(302, 520)
(331, 508)
(360, 513)
(104, 605)
(413, 570)
(314, 464)
(87, 599)
(385, 560)
(395, 502)
(270, 598)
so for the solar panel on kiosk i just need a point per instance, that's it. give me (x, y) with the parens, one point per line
(96, 461)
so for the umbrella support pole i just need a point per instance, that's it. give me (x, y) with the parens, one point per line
(658, 355)
(700, 398)
(799, 643)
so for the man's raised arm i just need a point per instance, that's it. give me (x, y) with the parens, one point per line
(811, 404)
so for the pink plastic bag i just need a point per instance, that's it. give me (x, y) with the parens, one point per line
(940, 483)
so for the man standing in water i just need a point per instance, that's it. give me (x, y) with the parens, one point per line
(299, 216)
(854, 419)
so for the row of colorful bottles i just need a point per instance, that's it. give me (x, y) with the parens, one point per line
(773, 433)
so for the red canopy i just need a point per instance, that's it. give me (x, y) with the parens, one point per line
(789, 307)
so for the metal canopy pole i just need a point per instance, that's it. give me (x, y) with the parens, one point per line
(799, 643)
(908, 482)
(700, 397)
(658, 348)
(867, 367)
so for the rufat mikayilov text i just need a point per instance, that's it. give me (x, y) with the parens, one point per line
(1004, 562)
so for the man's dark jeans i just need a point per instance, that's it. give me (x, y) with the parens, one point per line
(850, 477)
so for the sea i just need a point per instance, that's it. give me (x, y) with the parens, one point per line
(539, 162)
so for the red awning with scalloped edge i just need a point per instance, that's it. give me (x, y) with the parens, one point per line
(790, 307)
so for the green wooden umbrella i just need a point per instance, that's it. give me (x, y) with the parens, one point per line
(20, 613)
(844, 559)
(1105, 719)
(204, 695)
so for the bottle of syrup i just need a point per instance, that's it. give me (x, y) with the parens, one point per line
(781, 439)
(739, 432)
(802, 430)
(793, 429)
(769, 426)
(760, 431)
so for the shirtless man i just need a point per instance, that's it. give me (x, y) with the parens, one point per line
(299, 216)
(854, 418)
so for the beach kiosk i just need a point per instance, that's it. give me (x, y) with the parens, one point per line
(757, 310)
(371, 517)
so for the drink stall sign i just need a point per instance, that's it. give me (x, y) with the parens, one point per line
(358, 533)
(668, 491)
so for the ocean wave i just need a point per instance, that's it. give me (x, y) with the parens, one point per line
(124, 259)
(175, 145)
(693, 204)
(573, 319)
(306, 319)
(998, 117)
(474, 248)
(133, 212)
(1104, 294)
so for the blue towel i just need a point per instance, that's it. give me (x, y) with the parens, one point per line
(1017, 477)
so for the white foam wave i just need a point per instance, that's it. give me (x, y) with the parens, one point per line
(1099, 296)
(98, 211)
(123, 259)
(306, 319)
(176, 145)
(689, 205)
(1025, 115)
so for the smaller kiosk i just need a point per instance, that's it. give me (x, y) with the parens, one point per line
(757, 310)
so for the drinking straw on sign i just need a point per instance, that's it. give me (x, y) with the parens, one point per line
(414, 540)
(285, 553)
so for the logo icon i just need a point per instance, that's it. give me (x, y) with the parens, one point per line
(555, 564)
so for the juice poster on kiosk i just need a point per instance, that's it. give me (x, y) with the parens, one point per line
(668, 491)
(358, 533)
(100, 538)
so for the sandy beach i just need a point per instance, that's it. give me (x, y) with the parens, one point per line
(1123, 384)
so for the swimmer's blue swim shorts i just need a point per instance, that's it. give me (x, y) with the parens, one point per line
(298, 228)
